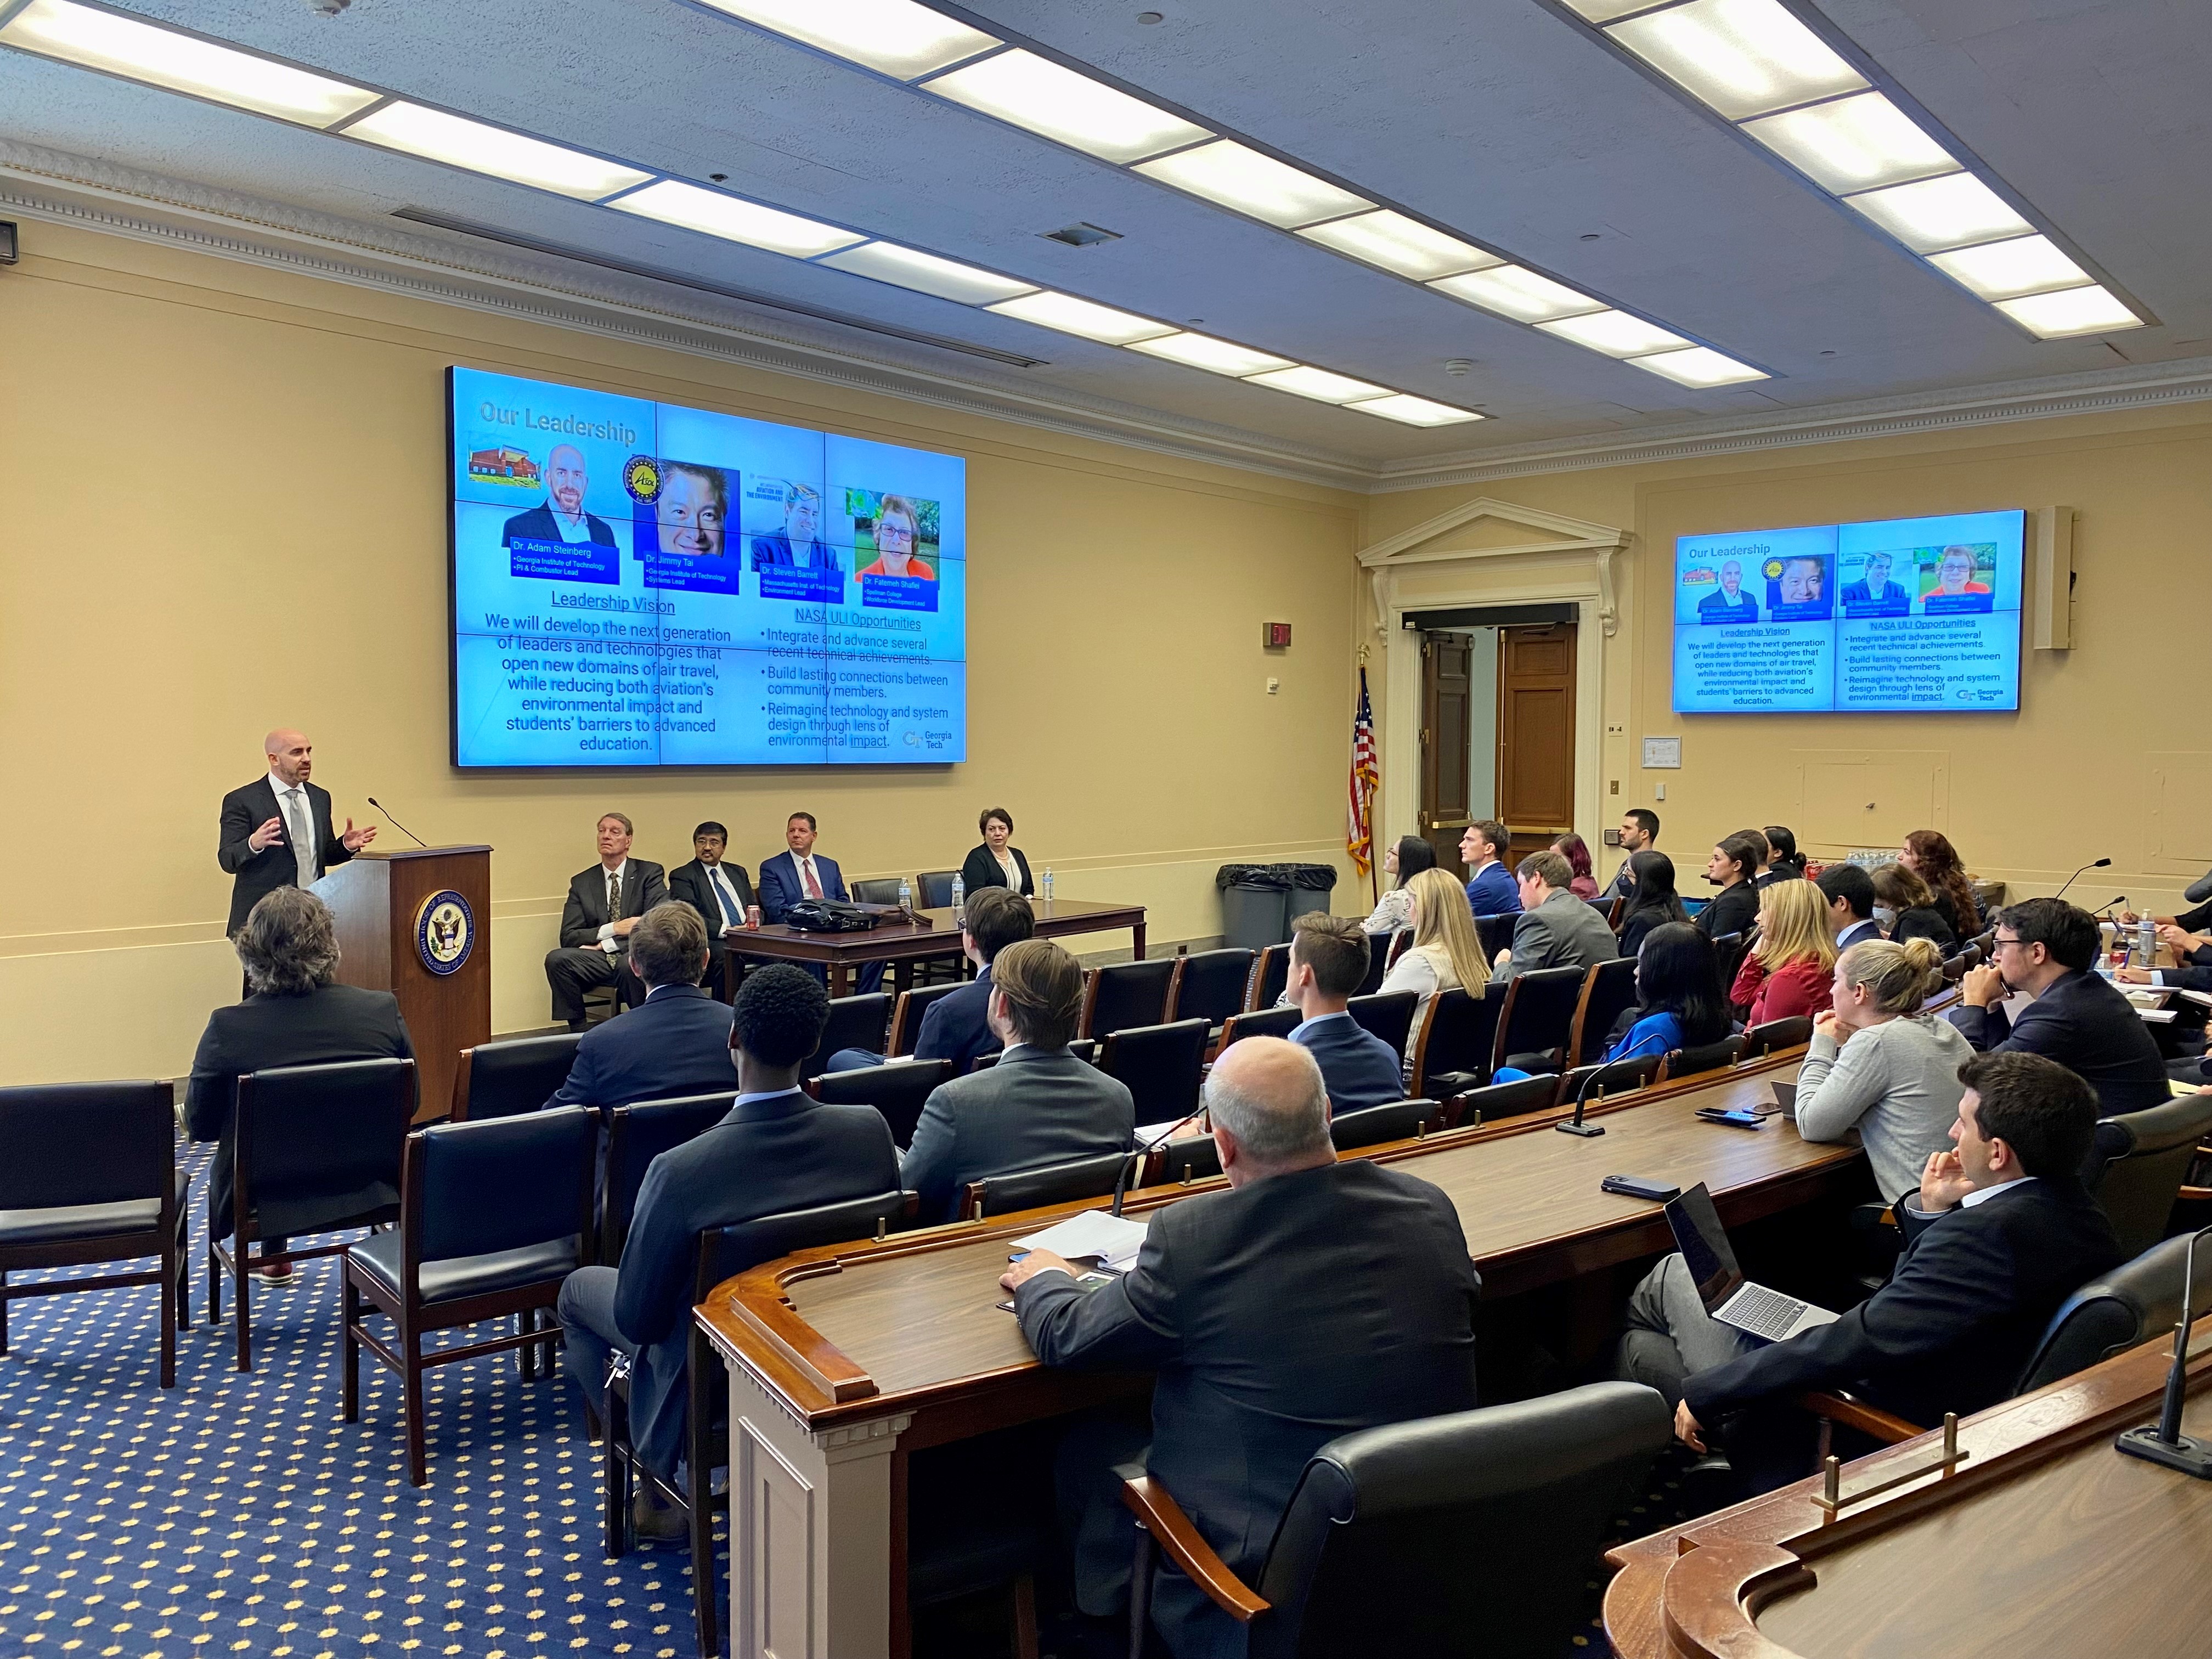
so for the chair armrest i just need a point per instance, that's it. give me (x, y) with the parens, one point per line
(1160, 1515)
(1854, 1413)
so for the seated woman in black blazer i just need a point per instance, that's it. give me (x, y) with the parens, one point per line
(994, 863)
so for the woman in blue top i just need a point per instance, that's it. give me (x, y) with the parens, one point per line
(1678, 995)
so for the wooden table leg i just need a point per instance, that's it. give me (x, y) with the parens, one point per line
(841, 979)
(1137, 933)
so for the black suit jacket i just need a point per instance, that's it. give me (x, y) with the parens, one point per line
(676, 1041)
(979, 869)
(1731, 910)
(538, 526)
(1278, 1316)
(329, 1024)
(769, 1155)
(688, 881)
(2088, 1027)
(1958, 1320)
(644, 885)
(246, 810)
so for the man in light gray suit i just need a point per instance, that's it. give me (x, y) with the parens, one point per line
(1040, 1105)
(1556, 929)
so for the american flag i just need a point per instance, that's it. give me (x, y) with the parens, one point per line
(1360, 786)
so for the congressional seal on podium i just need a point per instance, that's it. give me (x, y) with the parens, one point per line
(445, 932)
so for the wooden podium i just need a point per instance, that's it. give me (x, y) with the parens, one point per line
(378, 899)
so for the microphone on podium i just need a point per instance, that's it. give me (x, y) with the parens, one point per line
(409, 833)
(2100, 864)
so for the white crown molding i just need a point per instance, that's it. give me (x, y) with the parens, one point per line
(50, 185)
(1564, 534)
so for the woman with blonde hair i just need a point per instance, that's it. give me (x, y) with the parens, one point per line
(1880, 1065)
(1446, 954)
(1786, 970)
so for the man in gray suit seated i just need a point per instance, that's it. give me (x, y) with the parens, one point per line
(1556, 929)
(1040, 1105)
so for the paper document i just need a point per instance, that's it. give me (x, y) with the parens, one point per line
(1115, 1240)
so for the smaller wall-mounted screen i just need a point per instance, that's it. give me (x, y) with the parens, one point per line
(1890, 615)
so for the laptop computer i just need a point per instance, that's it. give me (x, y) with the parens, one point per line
(1727, 1295)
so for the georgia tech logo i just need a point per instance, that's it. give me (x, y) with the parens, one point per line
(641, 477)
(445, 930)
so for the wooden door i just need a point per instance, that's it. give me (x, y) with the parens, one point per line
(1536, 734)
(1445, 695)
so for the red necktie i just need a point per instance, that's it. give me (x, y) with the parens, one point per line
(806, 872)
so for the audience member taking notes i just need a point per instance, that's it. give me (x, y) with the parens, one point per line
(1329, 957)
(1311, 1298)
(1040, 1105)
(675, 1042)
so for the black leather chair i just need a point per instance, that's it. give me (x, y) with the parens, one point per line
(2136, 1164)
(857, 1022)
(876, 889)
(1451, 1054)
(498, 1079)
(898, 1089)
(1261, 1021)
(1390, 1017)
(1707, 1057)
(936, 889)
(636, 1134)
(1192, 1158)
(1400, 1120)
(1032, 1189)
(907, 1015)
(1475, 1533)
(1501, 1100)
(317, 1150)
(1381, 947)
(1162, 1066)
(1538, 1019)
(721, 1253)
(1636, 1072)
(1209, 986)
(1496, 933)
(1772, 1035)
(1608, 992)
(1953, 968)
(1271, 972)
(1727, 956)
(90, 1175)
(1126, 993)
(493, 1216)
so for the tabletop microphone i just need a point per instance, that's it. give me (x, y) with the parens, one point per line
(1590, 1131)
(2165, 1443)
(2098, 863)
(1130, 1165)
(395, 824)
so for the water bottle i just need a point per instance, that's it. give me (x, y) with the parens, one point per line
(2146, 942)
(906, 895)
(959, 899)
(1044, 889)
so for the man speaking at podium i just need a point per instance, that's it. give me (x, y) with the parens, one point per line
(277, 830)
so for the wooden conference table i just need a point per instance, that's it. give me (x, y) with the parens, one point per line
(903, 944)
(2045, 1543)
(843, 1360)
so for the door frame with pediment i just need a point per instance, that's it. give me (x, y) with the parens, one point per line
(1491, 552)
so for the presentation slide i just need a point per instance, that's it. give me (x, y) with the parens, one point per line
(639, 584)
(1851, 618)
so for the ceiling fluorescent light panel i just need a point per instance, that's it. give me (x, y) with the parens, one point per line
(673, 202)
(1699, 366)
(1615, 333)
(1936, 213)
(2070, 310)
(1215, 356)
(1040, 96)
(895, 38)
(2006, 271)
(1070, 315)
(1244, 181)
(481, 148)
(1743, 58)
(925, 273)
(1521, 295)
(1859, 142)
(1404, 246)
(1409, 410)
(1319, 384)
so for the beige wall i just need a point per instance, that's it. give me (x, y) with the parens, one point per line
(2107, 755)
(222, 489)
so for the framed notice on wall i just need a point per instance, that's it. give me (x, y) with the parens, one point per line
(1662, 751)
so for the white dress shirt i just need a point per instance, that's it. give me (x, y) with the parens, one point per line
(621, 873)
(309, 855)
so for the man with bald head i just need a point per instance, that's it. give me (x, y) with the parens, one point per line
(560, 516)
(277, 831)
(1311, 1298)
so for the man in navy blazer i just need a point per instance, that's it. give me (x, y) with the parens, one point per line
(777, 1151)
(1039, 1106)
(1490, 888)
(1329, 957)
(676, 1041)
(956, 1025)
(2045, 948)
(2000, 1232)
(802, 873)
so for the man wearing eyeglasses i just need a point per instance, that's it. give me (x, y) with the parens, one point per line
(2044, 948)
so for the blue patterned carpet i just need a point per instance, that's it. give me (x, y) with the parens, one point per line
(236, 1513)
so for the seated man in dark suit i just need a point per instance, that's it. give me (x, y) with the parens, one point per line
(676, 1041)
(604, 903)
(1999, 1233)
(1040, 1105)
(1312, 1298)
(1329, 957)
(719, 891)
(1556, 929)
(776, 1151)
(955, 1027)
(2046, 948)
(296, 1015)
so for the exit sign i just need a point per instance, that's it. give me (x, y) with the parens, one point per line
(1276, 636)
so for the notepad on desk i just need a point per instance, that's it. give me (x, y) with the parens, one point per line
(1112, 1240)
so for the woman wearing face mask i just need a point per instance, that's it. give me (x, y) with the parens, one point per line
(1906, 909)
